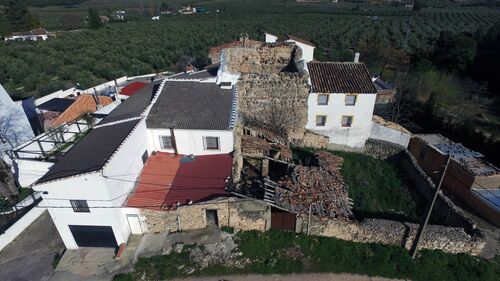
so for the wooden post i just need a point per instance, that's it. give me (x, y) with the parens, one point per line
(421, 229)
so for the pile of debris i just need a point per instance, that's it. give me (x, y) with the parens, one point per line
(259, 142)
(320, 189)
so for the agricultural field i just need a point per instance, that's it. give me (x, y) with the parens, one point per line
(143, 46)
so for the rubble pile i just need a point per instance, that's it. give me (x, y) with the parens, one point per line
(321, 188)
(257, 146)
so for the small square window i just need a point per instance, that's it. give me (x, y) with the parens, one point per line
(144, 157)
(320, 120)
(347, 121)
(80, 206)
(211, 143)
(322, 99)
(166, 142)
(350, 100)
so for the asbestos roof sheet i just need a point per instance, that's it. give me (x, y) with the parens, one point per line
(135, 105)
(198, 75)
(193, 105)
(336, 77)
(169, 180)
(91, 153)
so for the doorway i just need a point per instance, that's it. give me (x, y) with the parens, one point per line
(212, 218)
(134, 223)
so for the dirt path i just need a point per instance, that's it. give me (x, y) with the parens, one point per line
(290, 277)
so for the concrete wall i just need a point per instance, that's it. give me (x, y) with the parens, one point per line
(191, 141)
(241, 214)
(380, 132)
(362, 112)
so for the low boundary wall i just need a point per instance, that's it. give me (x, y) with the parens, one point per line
(17, 228)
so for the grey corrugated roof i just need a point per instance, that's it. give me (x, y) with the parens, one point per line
(134, 105)
(91, 153)
(192, 105)
(198, 75)
(336, 77)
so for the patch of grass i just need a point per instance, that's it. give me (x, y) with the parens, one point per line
(374, 185)
(285, 252)
(228, 229)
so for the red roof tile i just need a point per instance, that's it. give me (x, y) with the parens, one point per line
(167, 180)
(132, 88)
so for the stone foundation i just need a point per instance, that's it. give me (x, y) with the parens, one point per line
(241, 214)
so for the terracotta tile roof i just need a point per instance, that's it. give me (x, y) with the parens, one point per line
(132, 88)
(83, 104)
(167, 180)
(337, 77)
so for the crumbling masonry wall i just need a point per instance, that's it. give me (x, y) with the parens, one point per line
(436, 237)
(241, 214)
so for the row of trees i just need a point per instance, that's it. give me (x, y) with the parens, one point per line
(16, 17)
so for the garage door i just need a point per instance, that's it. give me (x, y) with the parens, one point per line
(93, 236)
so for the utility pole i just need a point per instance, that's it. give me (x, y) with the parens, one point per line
(421, 229)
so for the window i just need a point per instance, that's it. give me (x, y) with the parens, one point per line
(346, 121)
(166, 142)
(322, 99)
(320, 120)
(211, 143)
(350, 100)
(144, 157)
(80, 206)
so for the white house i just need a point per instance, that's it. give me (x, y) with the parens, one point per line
(192, 117)
(341, 102)
(33, 35)
(86, 189)
(306, 46)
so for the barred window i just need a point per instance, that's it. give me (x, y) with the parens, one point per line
(80, 206)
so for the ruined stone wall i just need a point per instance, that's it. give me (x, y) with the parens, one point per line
(436, 237)
(265, 59)
(241, 214)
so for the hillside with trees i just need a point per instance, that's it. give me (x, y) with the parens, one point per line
(443, 61)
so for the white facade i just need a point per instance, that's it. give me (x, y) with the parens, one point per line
(361, 113)
(270, 38)
(307, 50)
(192, 141)
(104, 191)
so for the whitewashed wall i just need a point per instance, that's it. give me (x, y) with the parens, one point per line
(380, 132)
(17, 228)
(30, 171)
(191, 141)
(354, 136)
(105, 191)
(307, 50)
(270, 38)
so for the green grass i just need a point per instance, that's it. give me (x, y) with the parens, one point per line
(284, 252)
(375, 185)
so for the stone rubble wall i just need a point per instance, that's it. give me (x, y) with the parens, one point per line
(266, 59)
(436, 237)
(241, 214)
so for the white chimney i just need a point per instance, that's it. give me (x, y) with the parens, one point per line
(356, 57)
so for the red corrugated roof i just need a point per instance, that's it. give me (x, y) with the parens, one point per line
(167, 180)
(132, 88)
